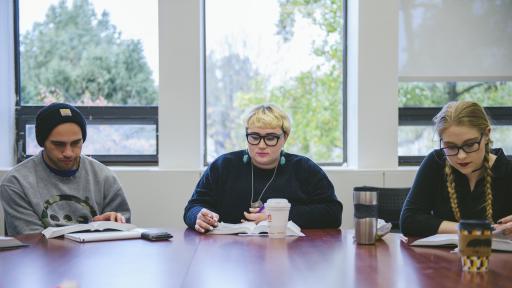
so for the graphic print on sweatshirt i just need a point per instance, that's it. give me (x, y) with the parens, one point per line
(65, 209)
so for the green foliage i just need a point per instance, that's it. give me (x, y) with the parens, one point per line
(312, 98)
(437, 94)
(313, 103)
(325, 14)
(77, 57)
(226, 77)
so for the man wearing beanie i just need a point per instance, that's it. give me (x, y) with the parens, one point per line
(59, 186)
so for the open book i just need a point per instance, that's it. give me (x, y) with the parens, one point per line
(10, 242)
(52, 232)
(250, 228)
(499, 244)
(105, 235)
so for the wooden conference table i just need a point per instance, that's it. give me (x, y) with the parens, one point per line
(324, 258)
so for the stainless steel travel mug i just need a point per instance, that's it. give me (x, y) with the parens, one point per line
(365, 215)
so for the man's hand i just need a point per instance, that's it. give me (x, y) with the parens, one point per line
(110, 216)
(206, 220)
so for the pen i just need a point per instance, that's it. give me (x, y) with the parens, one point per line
(261, 209)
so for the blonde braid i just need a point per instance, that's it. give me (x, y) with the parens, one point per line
(450, 184)
(471, 115)
(488, 181)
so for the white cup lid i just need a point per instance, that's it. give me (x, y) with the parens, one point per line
(277, 202)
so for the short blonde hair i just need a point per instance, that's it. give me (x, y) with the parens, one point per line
(268, 116)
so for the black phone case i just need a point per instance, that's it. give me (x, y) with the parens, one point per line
(155, 236)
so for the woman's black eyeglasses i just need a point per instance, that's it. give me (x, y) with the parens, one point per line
(452, 150)
(269, 139)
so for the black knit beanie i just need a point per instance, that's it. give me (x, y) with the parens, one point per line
(55, 114)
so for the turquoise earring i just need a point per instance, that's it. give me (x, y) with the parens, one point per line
(245, 159)
(282, 160)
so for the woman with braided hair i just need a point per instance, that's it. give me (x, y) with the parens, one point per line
(464, 179)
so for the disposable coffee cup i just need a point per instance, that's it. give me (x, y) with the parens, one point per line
(277, 210)
(475, 244)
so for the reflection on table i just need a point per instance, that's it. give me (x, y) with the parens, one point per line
(324, 258)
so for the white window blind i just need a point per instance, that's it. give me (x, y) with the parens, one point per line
(455, 40)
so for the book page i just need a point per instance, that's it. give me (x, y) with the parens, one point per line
(52, 232)
(260, 228)
(229, 228)
(292, 229)
(501, 244)
(437, 240)
(251, 229)
(102, 225)
(453, 239)
(104, 235)
(10, 242)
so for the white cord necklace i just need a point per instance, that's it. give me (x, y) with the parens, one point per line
(259, 204)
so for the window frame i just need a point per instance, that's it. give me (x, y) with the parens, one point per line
(146, 115)
(135, 115)
(343, 90)
(422, 116)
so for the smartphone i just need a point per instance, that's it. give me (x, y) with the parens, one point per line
(156, 235)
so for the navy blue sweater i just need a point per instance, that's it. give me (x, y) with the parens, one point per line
(225, 188)
(428, 203)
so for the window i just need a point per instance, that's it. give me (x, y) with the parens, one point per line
(282, 52)
(421, 101)
(474, 62)
(91, 54)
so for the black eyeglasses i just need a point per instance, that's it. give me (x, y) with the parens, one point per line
(452, 150)
(269, 139)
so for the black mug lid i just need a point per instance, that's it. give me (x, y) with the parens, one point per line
(366, 189)
(474, 225)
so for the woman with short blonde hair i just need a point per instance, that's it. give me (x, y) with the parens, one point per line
(236, 184)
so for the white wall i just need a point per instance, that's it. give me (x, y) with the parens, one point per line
(372, 84)
(180, 101)
(157, 198)
(158, 195)
(7, 99)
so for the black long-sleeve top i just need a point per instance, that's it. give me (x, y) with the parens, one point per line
(428, 202)
(225, 188)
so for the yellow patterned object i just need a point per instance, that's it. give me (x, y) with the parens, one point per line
(475, 263)
(475, 241)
